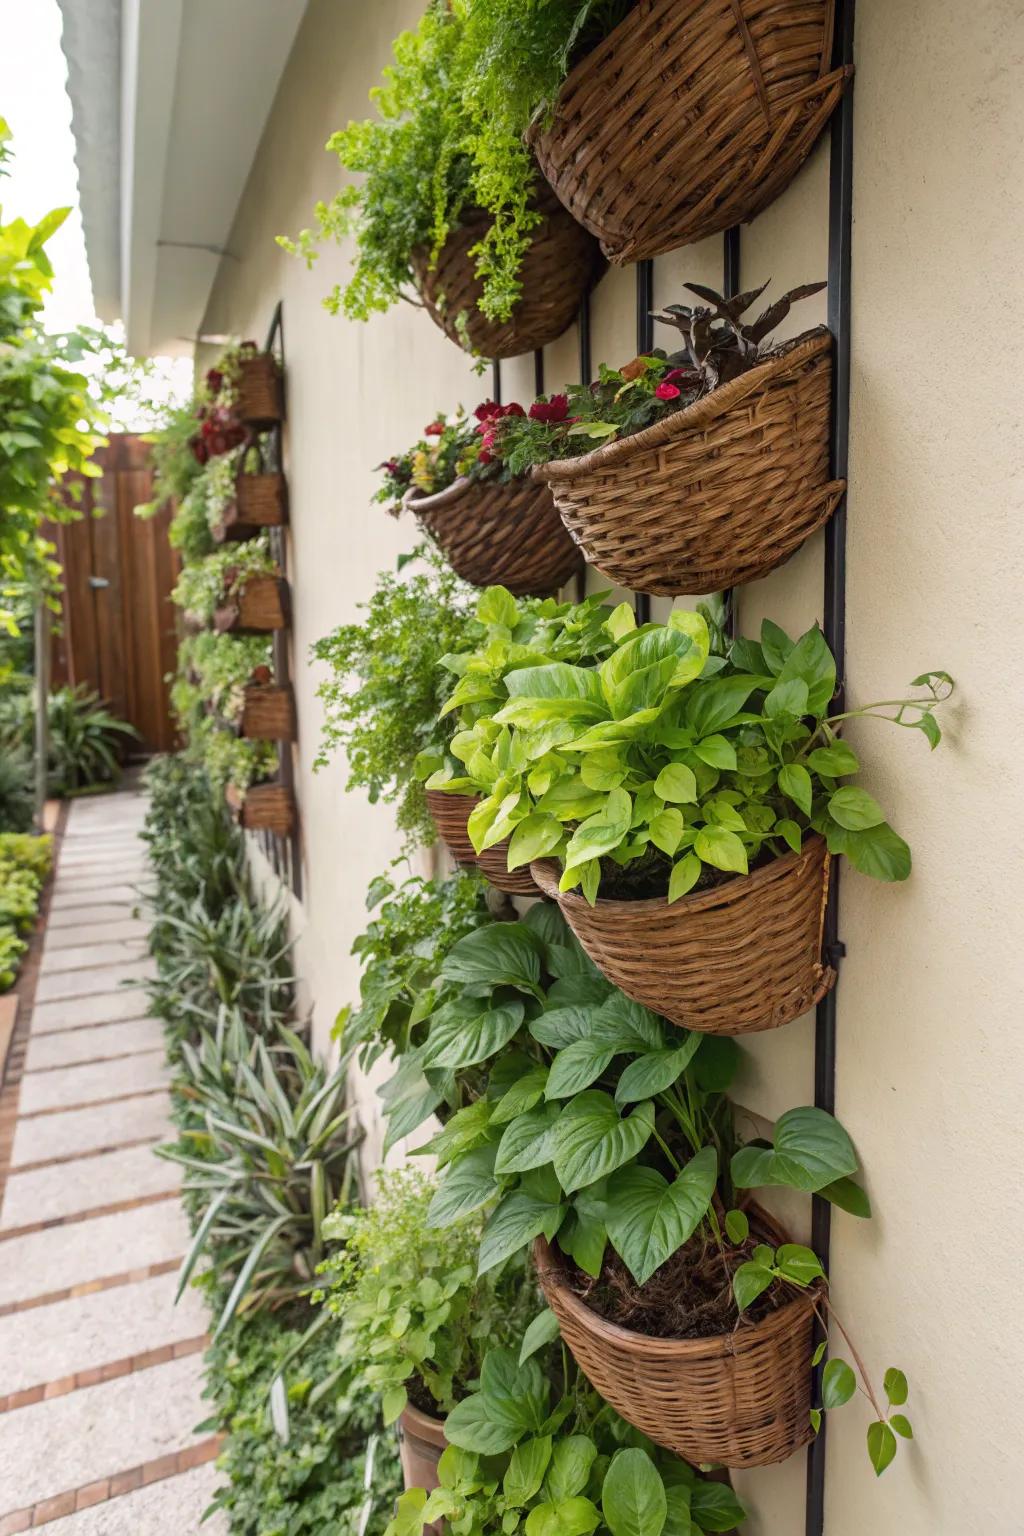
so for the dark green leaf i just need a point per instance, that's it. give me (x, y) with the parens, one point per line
(592, 1139)
(633, 1498)
(650, 1219)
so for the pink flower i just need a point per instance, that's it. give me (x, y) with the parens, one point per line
(673, 374)
(667, 391)
(485, 457)
(554, 409)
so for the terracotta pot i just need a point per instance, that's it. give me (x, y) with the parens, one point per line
(420, 1442)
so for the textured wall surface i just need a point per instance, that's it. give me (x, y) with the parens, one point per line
(930, 1053)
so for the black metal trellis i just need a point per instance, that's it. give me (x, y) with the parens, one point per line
(840, 239)
(284, 854)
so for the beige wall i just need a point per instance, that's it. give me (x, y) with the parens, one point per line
(930, 1052)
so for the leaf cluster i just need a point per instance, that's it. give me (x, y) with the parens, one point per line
(24, 865)
(689, 765)
(86, 741)
(205, 584)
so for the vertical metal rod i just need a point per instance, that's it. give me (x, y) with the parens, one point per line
(496, 381)
(730, 288)
(42, 723)
(583, 334)
(538, 371)
(840, 231)
(644, 343)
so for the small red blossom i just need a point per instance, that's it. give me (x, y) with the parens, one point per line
(485, 456)
(673, 375)
(556, 408)
(261, 675)
(435, 429)
(512, 409)
(667, 391)
(200, 452)
(214, 380)
(487, 411)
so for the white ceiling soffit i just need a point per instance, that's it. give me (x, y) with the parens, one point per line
(197, 81)
(92, 47)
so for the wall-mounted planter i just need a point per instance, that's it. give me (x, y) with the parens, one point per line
(260, 396)
(683, 123)
(500, 535)
(558, 268)
(741, 1399)
(261, 501)
(421, 1442)
(450, 814)
(263, 807)
(258, 607)
(741, 957)
(268, 713)
(718, 494)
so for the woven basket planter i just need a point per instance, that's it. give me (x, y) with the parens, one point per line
(263, 807)
(260, 502)
(268, 713)
(500, 535)
(690, 116)
(260, 397)
(559, 266)
(742, 957)
(742, 1399)
(716, 495)
(450, 814)
(260, 606)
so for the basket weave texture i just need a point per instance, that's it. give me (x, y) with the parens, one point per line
(261, 605)
(450, 814)
(742, 957)
(260, 502)
(718, 494)
(558, 268)
(690, 116)
(264, 807)
(268, 713)
(742, 1399)
(495, 534)
(260, 396)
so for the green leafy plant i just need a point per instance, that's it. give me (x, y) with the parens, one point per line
(205, 584)
(24, 865)
(517, 1461)
(384, 689)
(413, 1312)
(86, 741)
(272, 1157)
(17, 794)
(301, 1452)
(668, 767)
(430, 156)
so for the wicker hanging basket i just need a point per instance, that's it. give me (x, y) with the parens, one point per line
(260, 502)
(263, 807)
(268, 713)
(742, 1399)
(259, 606)
(718, 494)
(495, 534)
(559, 266)
(690, 116)
(259, 393)
(742, 957)
(450, 814)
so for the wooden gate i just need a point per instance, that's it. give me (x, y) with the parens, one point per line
(118, 622)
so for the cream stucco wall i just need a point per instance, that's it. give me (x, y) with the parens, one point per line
(930, 1044)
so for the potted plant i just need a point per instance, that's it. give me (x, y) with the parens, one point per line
(268, 709)
(498, 286)
(656, 129)
(682, 808)
(414, 1313)
(591, 1126)
(695, 471)
(534, 1447)
(493, 527)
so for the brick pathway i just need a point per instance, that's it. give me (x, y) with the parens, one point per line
(100, 1374)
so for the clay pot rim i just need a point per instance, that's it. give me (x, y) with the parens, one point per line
(427, 1425)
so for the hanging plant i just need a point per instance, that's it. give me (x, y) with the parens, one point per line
(493, 256)
(697, 470)
(667, 770)
(494, 527)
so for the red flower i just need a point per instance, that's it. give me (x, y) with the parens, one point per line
(556, 408)
(214, 380)
(435, 429)
(391, 465)
(200, 452)
(674, 374)
(512, 409)
(667, 391)
(488, 411)
(485, 457)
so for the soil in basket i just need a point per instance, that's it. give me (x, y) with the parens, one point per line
(646, 878)
(689, 1297)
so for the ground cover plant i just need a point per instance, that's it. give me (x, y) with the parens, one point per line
(669, 767)
(24, 865)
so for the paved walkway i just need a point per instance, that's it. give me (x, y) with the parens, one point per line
(100, 1374)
